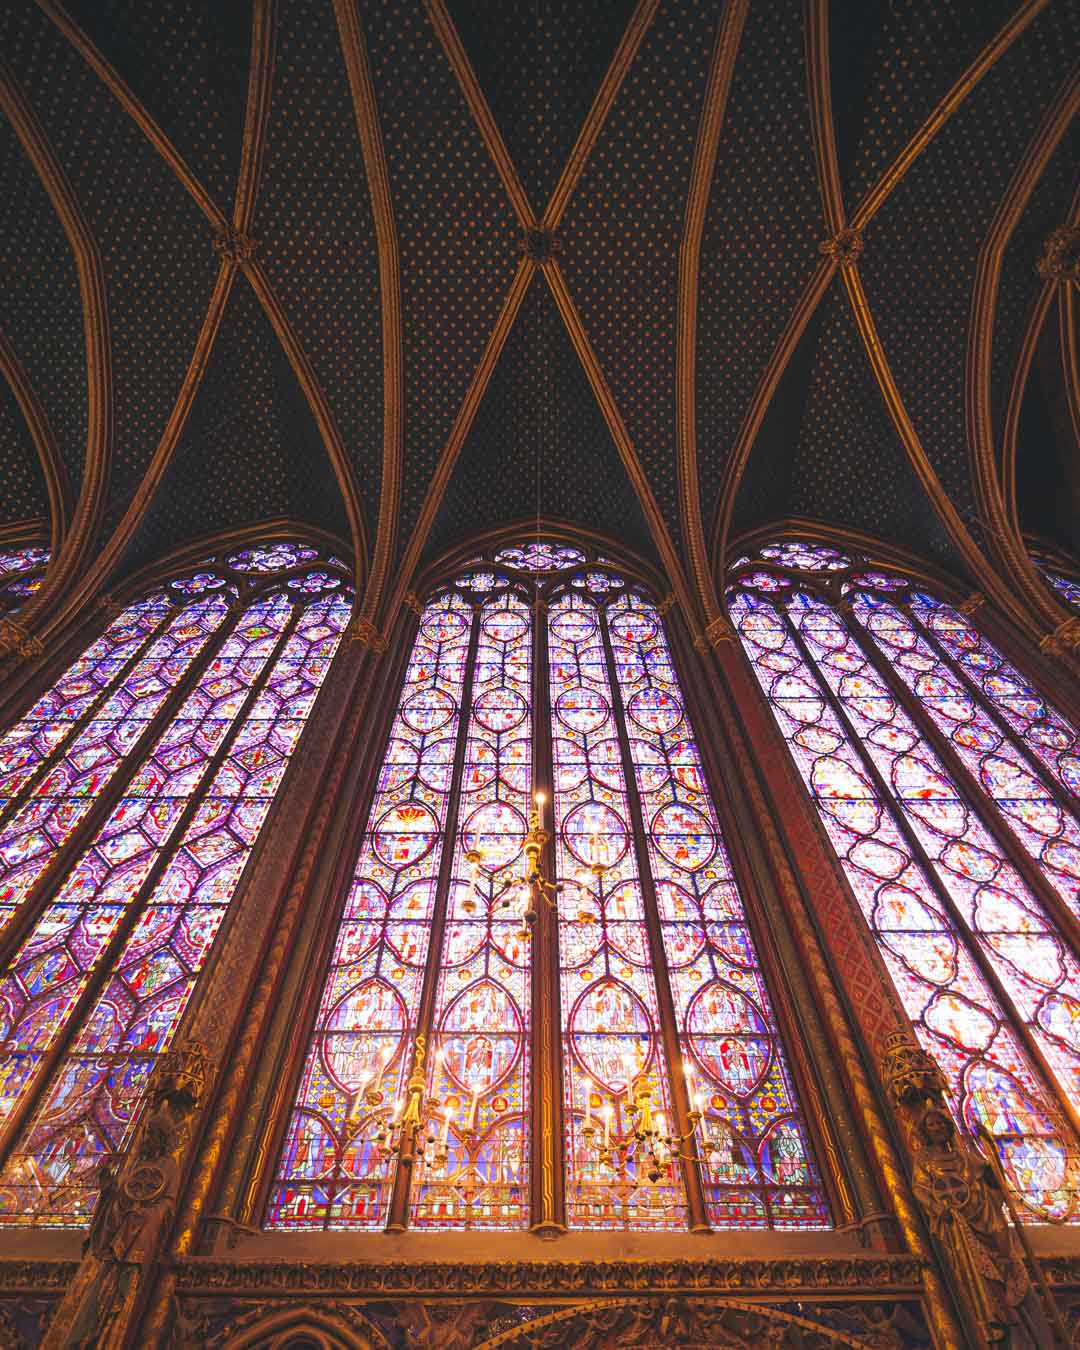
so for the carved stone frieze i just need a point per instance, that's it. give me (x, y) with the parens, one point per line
(485, 1324)
(880, 1272)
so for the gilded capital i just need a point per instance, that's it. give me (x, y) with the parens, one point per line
(362, 630)
(17, 640)
(1064, 638)
(973, 602)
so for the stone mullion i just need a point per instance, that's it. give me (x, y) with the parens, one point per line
(102, 969)
(547, 1175)
(798, 1020)
(976, 797)
(277, 1025)
(42, 891)
(926, 865)
(697, 1211)
(1038, 769)
(398, 1216)
(89, 713)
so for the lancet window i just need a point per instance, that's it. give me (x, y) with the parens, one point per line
(629, 1003)
(131, 797)
(21, 571)
(946, 784)
(1067, 587)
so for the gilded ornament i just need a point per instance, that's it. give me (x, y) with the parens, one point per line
(973, 602)
(1064, 638)
(1060, 259)
(362, 630)
(235, 247)
(845, 246)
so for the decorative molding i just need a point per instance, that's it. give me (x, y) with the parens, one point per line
(998, 45)
(667, 603)
(365, 108)
(845, 247)
(627, 50)
(1060, 260)
(782, 1277)
(721, 71)
(974, 601)
(36, 1276)
(233, 246)
(53, 469)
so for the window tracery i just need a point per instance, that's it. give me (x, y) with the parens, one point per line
(135, 790)
(22, 570)
(944, 781)
(543, 667)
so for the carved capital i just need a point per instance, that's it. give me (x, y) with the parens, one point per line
(972, 603)
(909, 1073)
(539, 245)
(1060, 259)
(236, 247)
(110, 606)
(845, 247)
(17, 640)
(716, 632)
(364, 631)
(1065, 638)
(412, 602)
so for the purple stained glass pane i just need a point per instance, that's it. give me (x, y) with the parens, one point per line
(475, 1174)
(35, 829)
(955, 1012)
(610, 1017)
(760, 1171)
(91, 1103)
(1066, 587)
(272, 557)
(17, 560)
(331, 1173)
(540, 557)
(805, 557)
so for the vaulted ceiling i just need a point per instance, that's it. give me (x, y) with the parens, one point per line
(403, 270)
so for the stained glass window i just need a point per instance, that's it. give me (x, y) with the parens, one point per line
(944, 782)
(1068, 588)
(542, 669)
(22, 570)
(134, 793)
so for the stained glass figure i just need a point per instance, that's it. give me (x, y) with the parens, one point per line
(899, 721)
(175, 728)
(438, 934)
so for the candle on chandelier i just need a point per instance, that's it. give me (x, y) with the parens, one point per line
(470, 1121)
(539, 798)
(607, 1125)
(588, 1103)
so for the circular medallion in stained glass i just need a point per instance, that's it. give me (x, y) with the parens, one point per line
(634, 627)
(436, 766)
(353, 1060)
(582, 710)
(197, 584)
(655, 710)
(845, 794)
(683, 836)
(500, 710)
(428, 710)
(960, 1021)
(482, 582)
(405, 834)
(313, 583)
(1059, 1014)
(595, 834)
(574, 625)
(399, 764)
(444, 625)
(505, 625)
(497, 831)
